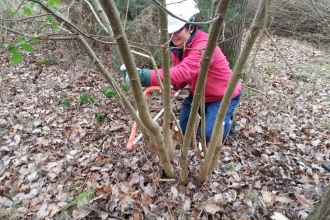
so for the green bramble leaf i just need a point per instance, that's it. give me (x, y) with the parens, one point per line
(110, 93)
(47, 19)
(54, 25)
(14, 13)
(34, 40)
(13, 49)
(104, 88)
(126, 88)
(27, 11)
(53, 2)
(16, 58)
(66, 103)
(63, 95)
(27, 47)
(84, 97)
(94, 100)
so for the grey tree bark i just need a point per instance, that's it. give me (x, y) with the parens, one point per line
(232, 33)
(199, 91)
(211, 158)
(103, 17)
(128, 59)
(167, 83)
(322, 208)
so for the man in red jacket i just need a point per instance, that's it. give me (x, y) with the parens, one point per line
(188, 44)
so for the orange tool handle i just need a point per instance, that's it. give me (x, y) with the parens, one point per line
(131, 139)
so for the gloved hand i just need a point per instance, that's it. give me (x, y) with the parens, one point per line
(144, 75)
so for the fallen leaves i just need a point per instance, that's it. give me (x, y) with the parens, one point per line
(51, 154)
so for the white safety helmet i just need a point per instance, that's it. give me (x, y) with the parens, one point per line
(184, 9)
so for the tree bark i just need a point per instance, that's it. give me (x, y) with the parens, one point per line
(256, 27)
(128, 59)
(167, 82)
(322, 208)
(231, 37)
(103, 17)
(200, 85)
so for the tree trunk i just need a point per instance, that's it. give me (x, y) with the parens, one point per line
(103, 17)
(141, 104)
(322, 208)
(166, 57)
(215, 145)
(204, 67)
(231, 37)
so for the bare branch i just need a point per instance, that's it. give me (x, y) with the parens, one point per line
(22, 19)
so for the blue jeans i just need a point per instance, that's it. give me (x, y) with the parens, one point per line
(211, 111)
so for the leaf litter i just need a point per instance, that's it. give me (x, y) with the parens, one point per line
(60, 162)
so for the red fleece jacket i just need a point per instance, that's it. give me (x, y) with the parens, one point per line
(186, 71)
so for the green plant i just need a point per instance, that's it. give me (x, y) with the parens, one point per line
(232, 64)
(248, 196)
(126, 88)
(80, 145)
(101, 117)
(22, 43)
(232, 167)
(84, 98)
(64, 100)
(14, 49)
(249, 91)
(269, 68)
(88, 194)
(108, 92)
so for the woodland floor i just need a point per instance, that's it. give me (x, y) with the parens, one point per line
(59, 162)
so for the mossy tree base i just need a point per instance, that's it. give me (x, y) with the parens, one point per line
(322, 208)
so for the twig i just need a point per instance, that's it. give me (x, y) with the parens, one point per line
(282, 56)
(319, 13)
(22, 19)
(165, 180)
(126, 14)
(62, 19)
(255, 90)
(97, 17)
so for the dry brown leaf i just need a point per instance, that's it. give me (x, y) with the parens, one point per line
(212, 208)
(268, 197)
(257, 184)
(136, 215)
(302, 199)
(43, 212)
(278, 216)
(283, 199)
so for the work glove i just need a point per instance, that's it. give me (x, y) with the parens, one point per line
(144, 75)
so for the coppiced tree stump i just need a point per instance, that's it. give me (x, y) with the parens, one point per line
(322, 208)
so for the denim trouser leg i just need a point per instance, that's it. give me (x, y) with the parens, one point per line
(211, 110)
(185, 112)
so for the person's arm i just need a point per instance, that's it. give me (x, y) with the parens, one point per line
(181, 73)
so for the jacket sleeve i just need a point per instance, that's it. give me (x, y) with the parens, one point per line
(183, 71)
